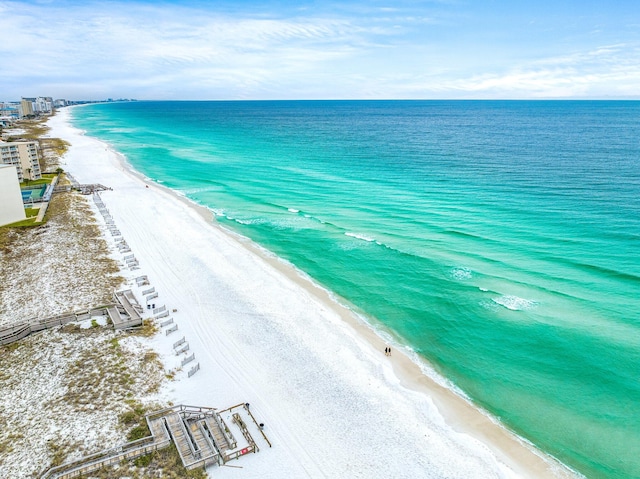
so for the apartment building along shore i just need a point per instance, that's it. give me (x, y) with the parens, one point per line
(24, 155)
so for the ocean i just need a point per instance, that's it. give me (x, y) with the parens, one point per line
(499, 240)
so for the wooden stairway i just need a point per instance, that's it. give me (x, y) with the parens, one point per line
(206, 446)
(190, 438)
(180, 437)
(219, 438)
(200, 435)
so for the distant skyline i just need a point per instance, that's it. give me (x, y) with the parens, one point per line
(405, 49)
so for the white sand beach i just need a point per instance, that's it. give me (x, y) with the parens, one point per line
(332, 403)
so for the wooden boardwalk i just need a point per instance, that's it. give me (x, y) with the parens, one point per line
(85, 189)
(124, 313)
(200, 435)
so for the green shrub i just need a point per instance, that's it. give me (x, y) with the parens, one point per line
(143, 461)
(138, 432)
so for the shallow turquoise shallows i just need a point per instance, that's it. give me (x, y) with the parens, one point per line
(498, 239)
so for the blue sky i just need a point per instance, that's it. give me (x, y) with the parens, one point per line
(311, 49)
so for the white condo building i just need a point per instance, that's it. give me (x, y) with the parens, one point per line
(43, 104)
(12, 209)
(24, 155)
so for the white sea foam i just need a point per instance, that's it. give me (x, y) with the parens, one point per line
(293, 210)
(360, 236)
(483, 289)
(461, 273)
(248, 221)
(192, 191)
(514, 303)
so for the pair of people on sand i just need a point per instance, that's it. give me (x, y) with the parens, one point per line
(387, 351)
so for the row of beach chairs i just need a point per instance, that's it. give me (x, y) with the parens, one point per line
(160, 313)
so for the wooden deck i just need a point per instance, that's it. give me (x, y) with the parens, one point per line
(200, 435)
(126, 314)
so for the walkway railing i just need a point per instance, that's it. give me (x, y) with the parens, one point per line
(127, 317)
(131, 450)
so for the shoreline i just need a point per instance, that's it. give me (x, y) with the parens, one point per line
(457, 412)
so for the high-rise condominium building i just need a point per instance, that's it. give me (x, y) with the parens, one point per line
(24, 155)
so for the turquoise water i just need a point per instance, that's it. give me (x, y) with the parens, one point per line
(499, 240)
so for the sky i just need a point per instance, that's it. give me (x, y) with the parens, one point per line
(347, 49)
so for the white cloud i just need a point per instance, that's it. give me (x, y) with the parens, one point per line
(141, 50)
(143, 45)
(602, 72)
